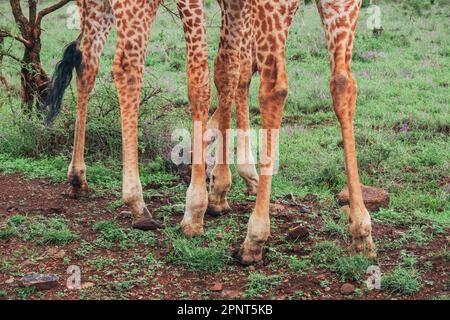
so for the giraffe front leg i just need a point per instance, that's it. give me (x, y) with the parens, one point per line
(272, 99)
(273, 90)
(343, 89)
(193, 17)
(133, 25)
(339, 30)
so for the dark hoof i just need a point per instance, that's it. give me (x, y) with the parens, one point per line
(212, 213)
(238, 257)
(76, 193)
(146, 224)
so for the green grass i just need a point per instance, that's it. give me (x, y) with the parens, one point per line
(401, 127)
(195, 256)
(336, 228)
(351, 268)
(39, 229)
(400, 86)
(300, 265)
(417, 234)
(259, 284)
(110, 234)
(402, 281)
(325, 253)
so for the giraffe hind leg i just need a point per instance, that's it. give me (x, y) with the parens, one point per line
(94, 38)
(128, 70)
(245, 161)
(199, 91)
(226, 78)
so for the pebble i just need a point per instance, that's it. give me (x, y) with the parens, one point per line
(374, 198)
(39, 281)
(347, 289)
(217, 287)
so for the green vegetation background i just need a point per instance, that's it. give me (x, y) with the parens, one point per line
(402, 120)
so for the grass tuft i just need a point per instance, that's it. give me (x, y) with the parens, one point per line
(402, 281)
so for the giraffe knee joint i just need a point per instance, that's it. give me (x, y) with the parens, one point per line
(340, 82)
(278, 92)
(281, 91)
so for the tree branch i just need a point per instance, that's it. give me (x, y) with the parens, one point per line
(50, 9)
(4, 34)
(18, 15)
(32, 5)
(6, 54)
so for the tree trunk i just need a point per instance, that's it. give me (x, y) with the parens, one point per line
(34, 79)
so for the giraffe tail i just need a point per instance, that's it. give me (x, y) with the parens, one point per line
(62, 76)
(72, 59)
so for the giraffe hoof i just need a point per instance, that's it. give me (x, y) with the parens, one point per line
(146, 224)
(365, 246)
(192, 230)
(77, 193)
(79, 188)
(217, 213)
(244, 259)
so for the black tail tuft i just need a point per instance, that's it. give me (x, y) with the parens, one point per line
(71, 60)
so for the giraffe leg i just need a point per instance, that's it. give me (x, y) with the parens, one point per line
(134, 19)
(270, 53)
(339, 18)
(226, 78)
(245, 161)
(94, 39)
(193, 17)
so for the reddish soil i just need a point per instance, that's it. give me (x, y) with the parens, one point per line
(22, 196)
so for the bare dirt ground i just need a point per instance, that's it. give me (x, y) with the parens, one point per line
(163, 278)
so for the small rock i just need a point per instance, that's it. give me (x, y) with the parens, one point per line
(251, 268)
(347, 289)
(298, 233)
(327, 289)
(230, 294)
(87, 285)
(374, 198)
(39, 281)
(9, 281)
(217, 287)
